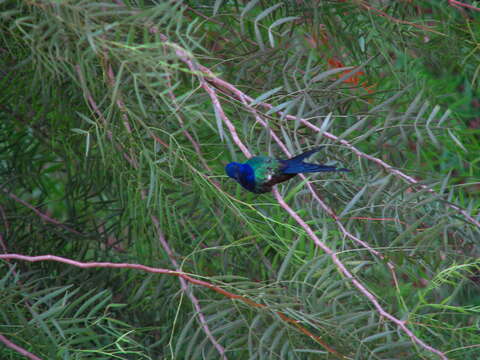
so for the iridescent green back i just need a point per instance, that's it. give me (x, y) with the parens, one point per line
(264, 168)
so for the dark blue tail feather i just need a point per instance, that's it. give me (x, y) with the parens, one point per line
(309, 168)
(306, 154)
(296, 165)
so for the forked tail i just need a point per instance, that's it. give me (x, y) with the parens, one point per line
(296, 165)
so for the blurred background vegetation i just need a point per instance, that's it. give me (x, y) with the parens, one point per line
(111, 150)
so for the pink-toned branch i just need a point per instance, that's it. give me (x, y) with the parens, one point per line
(180, 274)
(349, 275)
(323, 205)
(134, 163)
(342, 267)
(459, 4)
(183, 283)
(45, 217)
(18, 349)
(300, 221)
(215, 101)
(185, 132)
(242, 97)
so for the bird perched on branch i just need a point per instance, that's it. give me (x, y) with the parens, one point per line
(260, 173)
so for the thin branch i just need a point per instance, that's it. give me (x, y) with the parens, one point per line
(349, 275)
(185, 132)
(303, 224)
(241, 96)
(18, 349)
(45, 217)
(213, 96)
(181, 275)
(193, 299)
(163, 242)
(366, 6)
(324, 206)
(459, 4)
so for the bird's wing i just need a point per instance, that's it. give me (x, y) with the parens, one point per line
(306, 154)
(264, 167)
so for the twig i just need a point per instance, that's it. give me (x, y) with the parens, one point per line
(18, 349)
(239, 95)
(40, 214)
(398, 21)
(186, 133)
(349, 275)
(460, 4)
(193, 299)
(134, 163)
(180, 274)
(215, 101)
(324, 206)
(303, 224)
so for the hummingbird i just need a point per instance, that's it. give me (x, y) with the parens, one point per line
(260, 173)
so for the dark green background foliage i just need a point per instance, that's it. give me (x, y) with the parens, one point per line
(73, 74)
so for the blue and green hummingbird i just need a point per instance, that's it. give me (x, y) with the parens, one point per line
(260, 173)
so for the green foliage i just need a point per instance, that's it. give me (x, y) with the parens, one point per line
(105, 129)
(62, 322)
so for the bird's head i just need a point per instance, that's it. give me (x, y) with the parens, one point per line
(233, 170)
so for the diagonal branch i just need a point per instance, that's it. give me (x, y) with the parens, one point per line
(193, 298)
(216, 103)
(324, 206)
(366, 6)
(459, 4)
(134, 163)
(182, 275)
(18, 348)
(45, 217)
(355, 282)
(242, 97)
